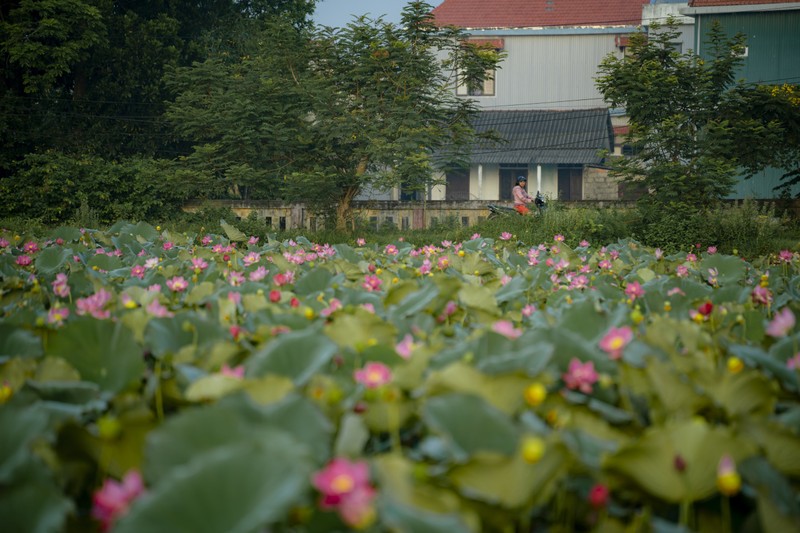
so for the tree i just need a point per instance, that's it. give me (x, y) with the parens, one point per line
(319, 114)
(692, 126)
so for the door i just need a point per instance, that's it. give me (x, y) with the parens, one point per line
(457, 185)
(570, 183)
(508, 178)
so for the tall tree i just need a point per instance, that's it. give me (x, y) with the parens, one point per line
(319, 114)
(693, 127)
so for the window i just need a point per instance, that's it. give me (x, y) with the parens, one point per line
(486, 88)
(404, 223)
(508, 178)
(457, 185)
(465, 222)
(282, 223)
(268, 222)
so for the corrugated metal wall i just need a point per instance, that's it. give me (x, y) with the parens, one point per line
(550, 72)
(773, 57)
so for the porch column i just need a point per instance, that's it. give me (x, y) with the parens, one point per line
(480, 182)
(538, 177)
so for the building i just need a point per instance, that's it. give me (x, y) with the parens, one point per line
(553, 49)
(772, 56)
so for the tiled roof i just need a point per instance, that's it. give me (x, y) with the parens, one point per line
(538, 13)
(545, 137)
(711, 3)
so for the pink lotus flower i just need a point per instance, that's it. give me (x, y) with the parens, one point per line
(528, 310)
(580, 376)
(258, 274)
(712, 250)
(558, 237)
(372, 283)
(786, 256)
(30, 247)
(761, 295)
(782, 323)
(24, 260)
(360, 241)
(599, 495)
(283, 278)
(344, 486)
(405, 346)
(506, 329)
(505, 236)
(634, 290)
(604, 264)
(205, 241)
(475, 236)
(334, 305)
(584, 243)
(251, 258)
(94, 305)
(793, 363)
(373, 375)
(57, 315)
(177, 284)
(112, 500)
(425, 267)
(390, 249)
(60, 285)
(659, 253)
(253, 240)
(443, 262)
(235, 278)
(235, 372)
(137, 271)
(615, 341)
(167, 246)
(156, 309)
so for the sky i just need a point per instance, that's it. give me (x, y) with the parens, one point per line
(339, 13)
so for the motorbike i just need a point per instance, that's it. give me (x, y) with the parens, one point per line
(496, 210)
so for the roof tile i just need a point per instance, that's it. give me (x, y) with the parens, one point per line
(538, 13)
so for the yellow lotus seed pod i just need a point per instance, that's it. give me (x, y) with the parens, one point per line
(735, 365)
(535, 394)
(532, 449)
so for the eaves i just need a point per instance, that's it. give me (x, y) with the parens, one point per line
(567, 30)
(742, 8)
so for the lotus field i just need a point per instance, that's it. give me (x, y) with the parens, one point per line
(163, 382)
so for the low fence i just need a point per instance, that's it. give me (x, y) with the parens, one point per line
(416, 214)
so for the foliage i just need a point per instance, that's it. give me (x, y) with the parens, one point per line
(692, 126)
(54, 186)
(574, 387)
(319, 114)
(83, 79)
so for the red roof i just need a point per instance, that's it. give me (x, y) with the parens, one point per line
(538, 13)
(711, 3)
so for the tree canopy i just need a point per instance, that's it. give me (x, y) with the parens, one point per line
(319, 114)
(693, 126)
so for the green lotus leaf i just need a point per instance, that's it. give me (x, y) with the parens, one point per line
(168, 335)
(199, 293)
(19, 427)
(513, 290)
(478, 297)
(512, 482)
(67, 233)
(297, 355)
(352, 436)
(268, 389)
(55, 369)
(743, 393)
(586, 319)
(313, 282)
(675, 393)
(650, 460)
(360, 330)
(232, 232)
(104, 262)
(382, 416)
(457, 417)
(772, 486)
(52, 259)
(730, 269)
(212, 387)
(18, 342)
(503, 392)
(780, 446)
(756, 357)
(408, 303)
(240, 487)
(125, 452)
(102, 352)
(34, 502)
(411, 505)
(346, 252)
